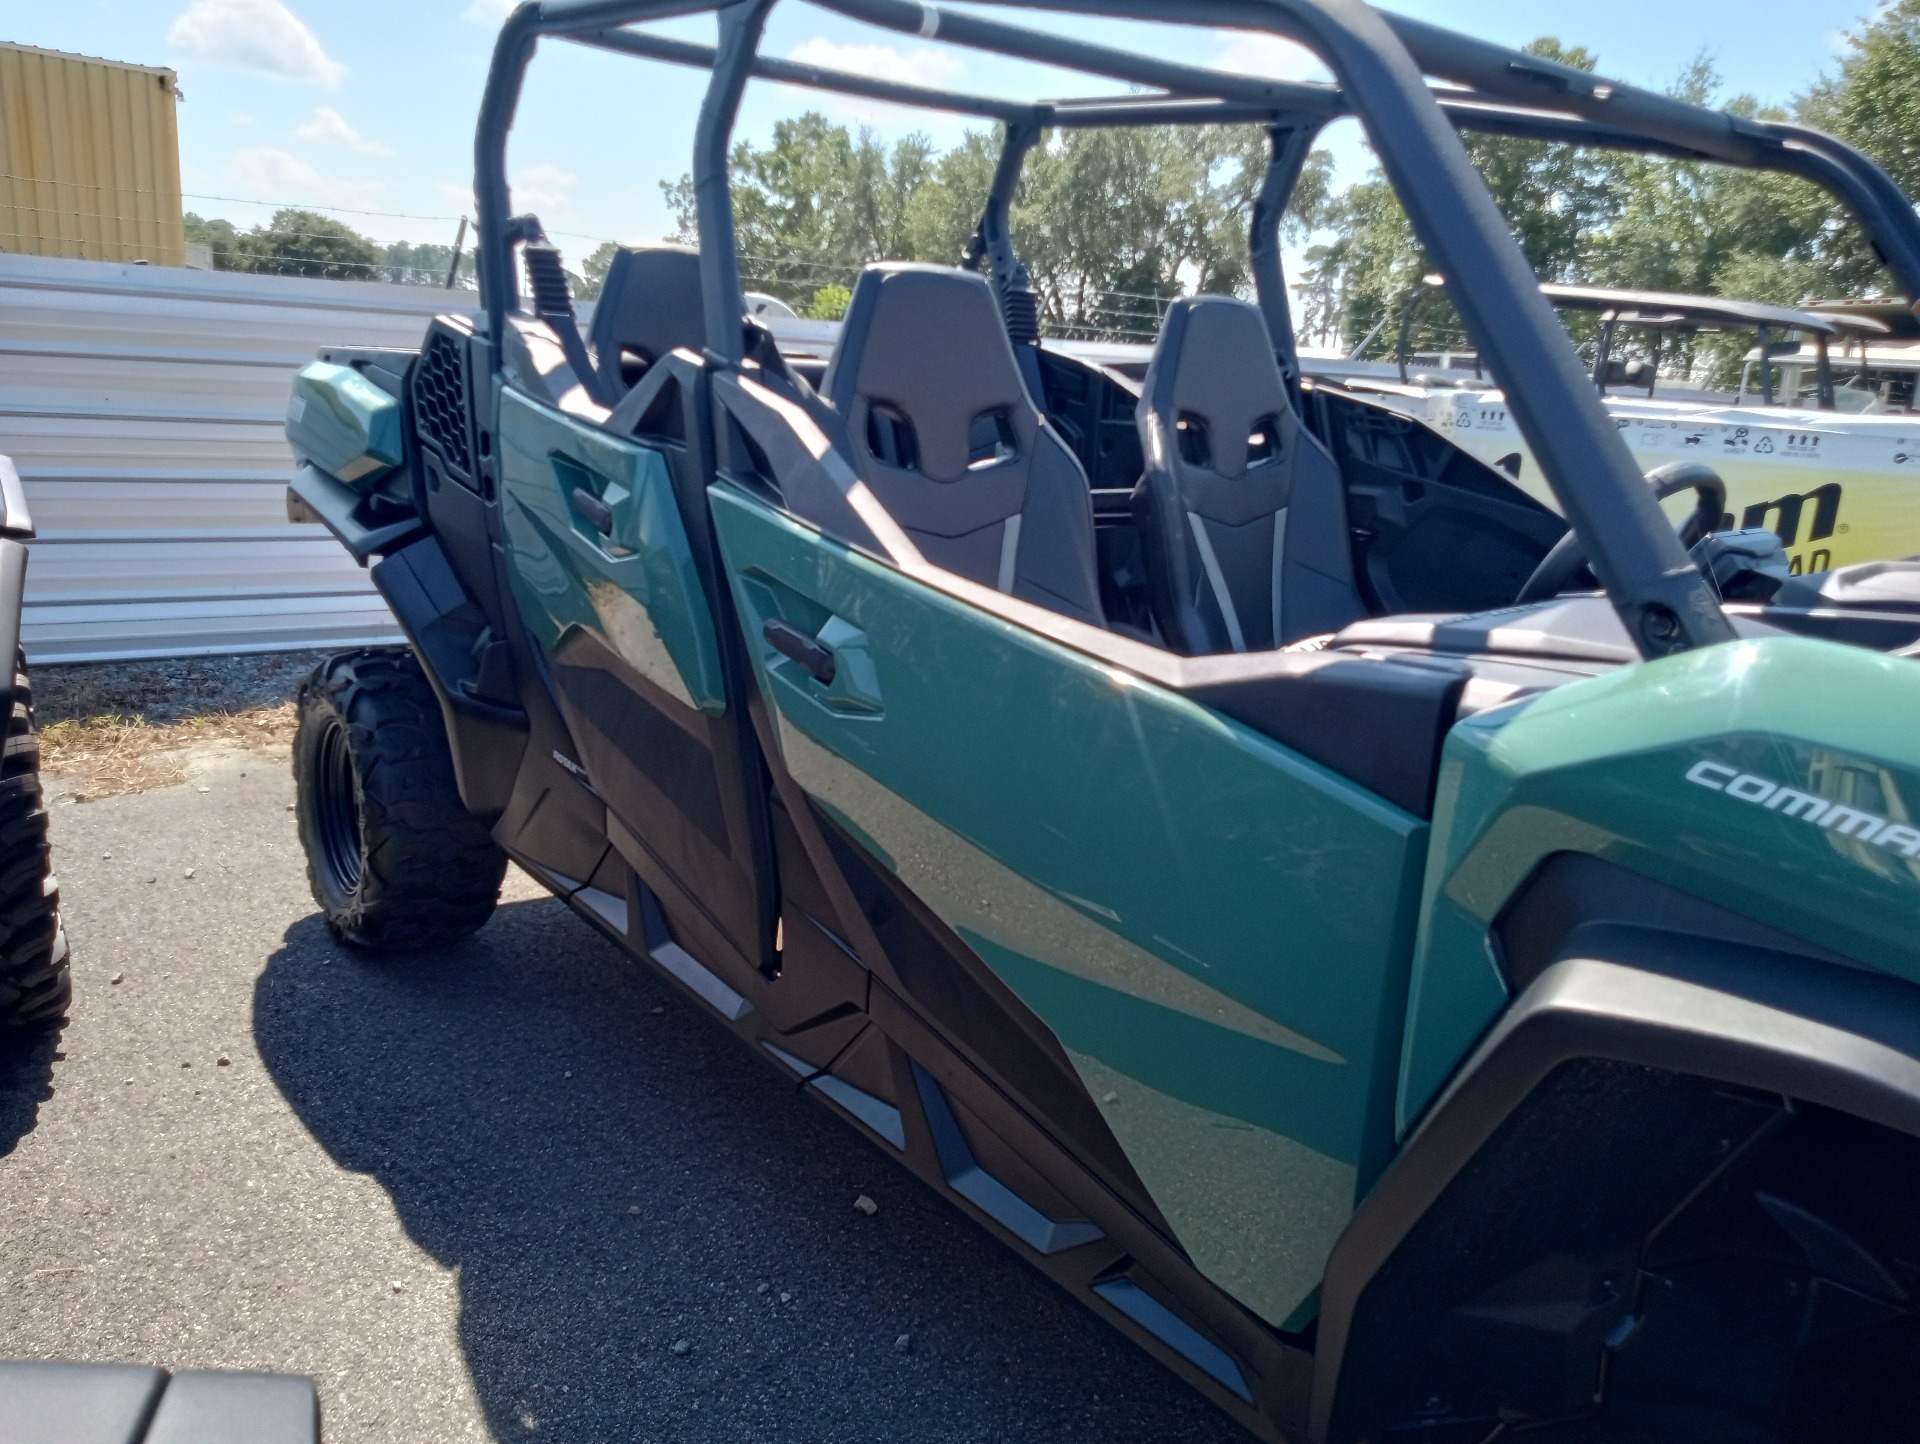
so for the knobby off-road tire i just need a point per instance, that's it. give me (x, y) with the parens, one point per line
(35, 983)
(394, 858)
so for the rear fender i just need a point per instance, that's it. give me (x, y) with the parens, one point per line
(468, 665)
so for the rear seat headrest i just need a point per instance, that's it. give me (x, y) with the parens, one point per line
(650, 304)
(925, 346)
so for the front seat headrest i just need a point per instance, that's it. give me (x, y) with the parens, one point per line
(1241, 511)
(1216, 392)
(650, 304)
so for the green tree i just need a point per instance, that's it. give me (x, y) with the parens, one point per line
(816, 204)
(1644, 222)
(1873, 102)
(1114, 223)
(1556, 198)
(1111, 224)
(217, 235)
(1874, 99)
(829, 303)
(593, 270)
(425, 265)
(305, 243)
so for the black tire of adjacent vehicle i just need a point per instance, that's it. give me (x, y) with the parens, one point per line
(394, 858)
(36, 984)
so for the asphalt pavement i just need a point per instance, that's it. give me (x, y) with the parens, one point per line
(515, 1191)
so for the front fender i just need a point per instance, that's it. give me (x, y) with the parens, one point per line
(1628, 1073)
(1778, 778)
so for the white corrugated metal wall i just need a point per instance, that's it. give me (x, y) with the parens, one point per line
(143, 406)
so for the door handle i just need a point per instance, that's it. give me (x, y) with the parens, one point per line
(594, 510)
(806, 653)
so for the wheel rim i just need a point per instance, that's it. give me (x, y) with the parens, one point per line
(337, 808)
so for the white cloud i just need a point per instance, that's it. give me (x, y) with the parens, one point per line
(240, 118)
(544, 189)
(920, 66)
(276, 176)
(259, 35)
(1270, 57)
(489, 12)
(330, 127)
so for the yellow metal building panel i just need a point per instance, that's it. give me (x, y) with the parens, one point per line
(89, 158)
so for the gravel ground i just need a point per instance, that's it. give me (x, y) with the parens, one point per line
(518, 1190)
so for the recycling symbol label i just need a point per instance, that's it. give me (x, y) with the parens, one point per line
(1764, 446)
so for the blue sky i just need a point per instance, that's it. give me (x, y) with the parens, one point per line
(366, 106)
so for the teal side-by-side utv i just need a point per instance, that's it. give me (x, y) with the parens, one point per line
(1139, 800)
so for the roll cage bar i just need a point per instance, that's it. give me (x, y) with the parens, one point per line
(1380, 63)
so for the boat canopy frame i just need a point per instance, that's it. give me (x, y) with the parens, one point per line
(1778, 329)
(1661, 311)
(1381, 66)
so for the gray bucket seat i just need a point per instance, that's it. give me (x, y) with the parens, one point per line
(1240, 509)
(649, 304)
(946, 437)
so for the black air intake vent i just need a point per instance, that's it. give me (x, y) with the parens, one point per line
(440, 400)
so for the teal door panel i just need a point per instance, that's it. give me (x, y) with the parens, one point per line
(595, 542)
(605, 580)
(1216, 929)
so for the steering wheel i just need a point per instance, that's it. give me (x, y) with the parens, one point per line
(1560, 566)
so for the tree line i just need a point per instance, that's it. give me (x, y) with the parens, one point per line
(1112, 224)
(1640, 222)
(306, 243)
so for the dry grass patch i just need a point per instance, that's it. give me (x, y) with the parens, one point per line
(110, 756)
(120, 727)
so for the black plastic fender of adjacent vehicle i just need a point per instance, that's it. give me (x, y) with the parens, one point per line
(15, 519)
(13, 591)
(16, 526)
(1728, 1025)
(469, 666)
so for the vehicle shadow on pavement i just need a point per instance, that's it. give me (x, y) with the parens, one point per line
(655, 1237)
(27, 1057)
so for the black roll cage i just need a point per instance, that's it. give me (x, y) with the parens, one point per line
(1381, 64)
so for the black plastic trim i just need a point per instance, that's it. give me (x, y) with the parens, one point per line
(340, 509)
(1786, 1024)
(1378, 722)
(1571, 894)
(16, 520)
(967, 1178)
(468, 667)
(1175, 1332)
(13, 591)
